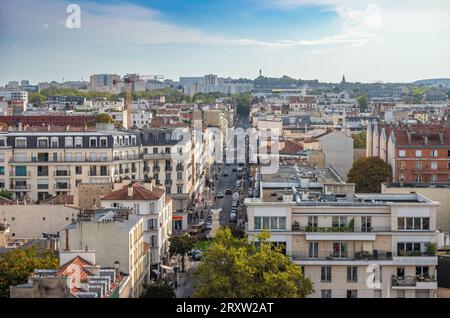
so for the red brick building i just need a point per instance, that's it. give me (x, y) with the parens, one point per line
(417, 153)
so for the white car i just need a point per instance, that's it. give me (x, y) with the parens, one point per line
(209, 225)
(219, 194)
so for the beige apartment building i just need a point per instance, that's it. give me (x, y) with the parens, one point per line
(117, 237)
(351, 245)
(37, 164)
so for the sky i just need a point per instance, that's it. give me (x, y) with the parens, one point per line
(368, 41)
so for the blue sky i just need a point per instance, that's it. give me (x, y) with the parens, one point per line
(311, 39)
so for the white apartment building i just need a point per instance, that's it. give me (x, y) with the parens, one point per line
(168, 159)
(116, 236)
(351, 245)
(141, 119)
(154, 206)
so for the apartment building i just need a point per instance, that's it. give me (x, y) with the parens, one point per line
(154, 206)
(77, 277)
(117, 237)
(168, 159)
(36, 164)
(350, 245)
(417, 153)
(104, 83)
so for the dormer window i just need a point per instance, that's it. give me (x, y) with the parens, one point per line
(78, 142)
(55, 142)
(93, 142)
(103, 142)
(69, 142)
(42, 142)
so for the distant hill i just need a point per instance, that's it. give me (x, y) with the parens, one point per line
(434, 81)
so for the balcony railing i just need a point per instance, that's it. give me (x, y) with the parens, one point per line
(61, 173)
(62, 186)
(158, 155)
(18, 175)
(157, 169)
(128, 157)
(168, 182)
(411, 281)
(180, 168)
(415, 254)
(20, 187)
(341, 256)
(169, 168)
(336, 229)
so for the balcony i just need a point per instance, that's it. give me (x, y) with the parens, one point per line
(414, 282)
(169, 168)
(156, 169)
(62, 186)
(374, 255)
(168, 182)
(14, 174)
(342, 229)
(61, 173)
(158, 155)
(20, 187)
(128, 157)
(180, 168)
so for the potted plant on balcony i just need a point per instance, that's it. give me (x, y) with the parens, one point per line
(431, 249)
(351, 225)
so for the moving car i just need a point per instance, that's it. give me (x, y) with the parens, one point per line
(233, 217)
(225, 173)
(228, 191)
(219, 194)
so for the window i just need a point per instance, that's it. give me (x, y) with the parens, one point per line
(2, 171)
(402, 153)
(93, 142)
(325, 293)
(274, 223)
(78, 170)
(314, 249)
(103, 142)
(418, 153)
(352, 274)
(352, 293)
(402, 165)
(434, 178)
(339, 221)
(339, 249)
(411, 223)
(21, 142)
(69, 142)
(151, 224)
(179, 189)
(418, 165)
(434, 153)
(55, 142)
(366, 224)
(2, 157)
(167, 190)
(312, 221)
(179, 176)
(434, 165)
(325, 274)
(78, 142)
(42, 142)
(408, 248)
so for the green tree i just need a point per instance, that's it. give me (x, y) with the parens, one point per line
(362, 102)
(236, 268)
(17, 265)
(104, 118)
(359, 140)
(368, 173)
(6, 194)
(159, 289)
(181, 245)
(243, 104)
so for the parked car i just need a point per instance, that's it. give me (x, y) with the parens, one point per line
(233, 217)
(228, 191)
(225, 174)
(209, 225)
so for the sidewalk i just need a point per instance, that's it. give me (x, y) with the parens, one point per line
(185, 287)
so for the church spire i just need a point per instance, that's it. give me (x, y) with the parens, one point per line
(343, 79)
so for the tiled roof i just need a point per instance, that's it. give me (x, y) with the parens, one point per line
(75, 265)
(291, 147)
(415, 135)
(139, 193)
(61, 199)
